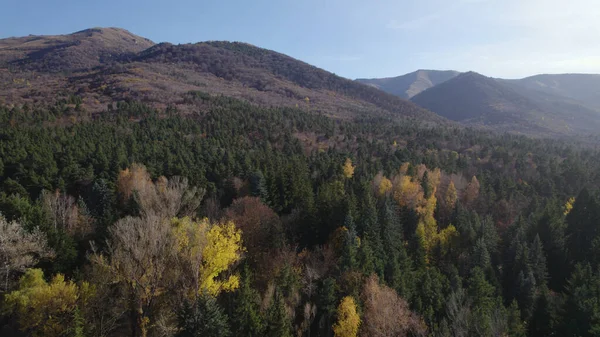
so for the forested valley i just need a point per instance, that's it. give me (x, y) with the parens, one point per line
(242, 220)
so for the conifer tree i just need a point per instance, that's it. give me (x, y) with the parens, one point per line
(203, 318)
(278, 323)
(247, 320)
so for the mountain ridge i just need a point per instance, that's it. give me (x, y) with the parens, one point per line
(103, 65)
(474, 99)
(411, 84)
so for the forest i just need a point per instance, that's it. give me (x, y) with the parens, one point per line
(242, 220)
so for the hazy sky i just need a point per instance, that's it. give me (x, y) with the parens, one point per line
(353, 38)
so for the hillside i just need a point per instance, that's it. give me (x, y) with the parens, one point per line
(220, 189)
(474, 99)
(471, 98)
(78, 51)
(101, 66)
(584, 88)
(409, 85)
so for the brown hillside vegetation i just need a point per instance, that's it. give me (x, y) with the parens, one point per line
(104, 65)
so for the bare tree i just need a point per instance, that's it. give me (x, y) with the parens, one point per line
(66, 214)
(459, 313)
(19, 249)
(139, 251)
(386, 314)
(62, 210)
(173, 198)
(166, 197)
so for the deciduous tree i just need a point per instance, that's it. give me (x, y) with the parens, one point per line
(386, 314)
(46, 309)
(348, 320)
(19, 249)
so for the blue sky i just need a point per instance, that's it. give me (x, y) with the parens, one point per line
(352, 38)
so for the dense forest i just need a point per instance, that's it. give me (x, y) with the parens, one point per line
(251, 221)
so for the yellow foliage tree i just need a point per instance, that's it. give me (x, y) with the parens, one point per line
(348, 320)
(385, 185)
(206, 251)
(46, 309)
(569, 205)
(451, 196)
(427, 226)
(348, 168)
(408, 192)
(223, 249)
(435, 176)
(471, 192)
(445, 238)
(427, 230)
(190, 240)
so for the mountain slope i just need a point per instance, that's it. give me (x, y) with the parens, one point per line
(474, 99)
(409, 85)
(102, 66)
(584, 88)
(81, 50)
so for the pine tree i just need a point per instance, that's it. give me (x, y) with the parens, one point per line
(537, 260)
(426, 185)
(370, 232)
(366, 257)
(258, 186)
(526, 292)
(247, 320)
(481, 256)
(278, 323)
(581, 312)
(350, 244)
(327, 305)
(583, 226)
(516, 326)
(204, 318)
(543, 321)
(398, 265)
(482, 294)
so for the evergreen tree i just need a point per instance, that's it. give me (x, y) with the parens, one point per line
(581, 314)
(278, 323)
(551, 229)
(538, 262)
(203, 318)
(426, 185)
(327, 301)
(247, 320)
(366, 257)
(482, 295)
(544, 319)
(370, 231)
(583, 224)
(349, 253)
(258, 186)
(516, 326)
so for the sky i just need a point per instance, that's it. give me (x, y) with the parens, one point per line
(352, 38)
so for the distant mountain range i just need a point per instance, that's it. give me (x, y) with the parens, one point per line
(106, 65)
(100, 66)
(542, 104)
(411, 84)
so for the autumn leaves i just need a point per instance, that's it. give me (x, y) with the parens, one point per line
(165, 251)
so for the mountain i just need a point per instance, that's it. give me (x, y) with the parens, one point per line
(103, 65)
(584, 88)
(474, 99)
(81, 50)
(409, 85)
